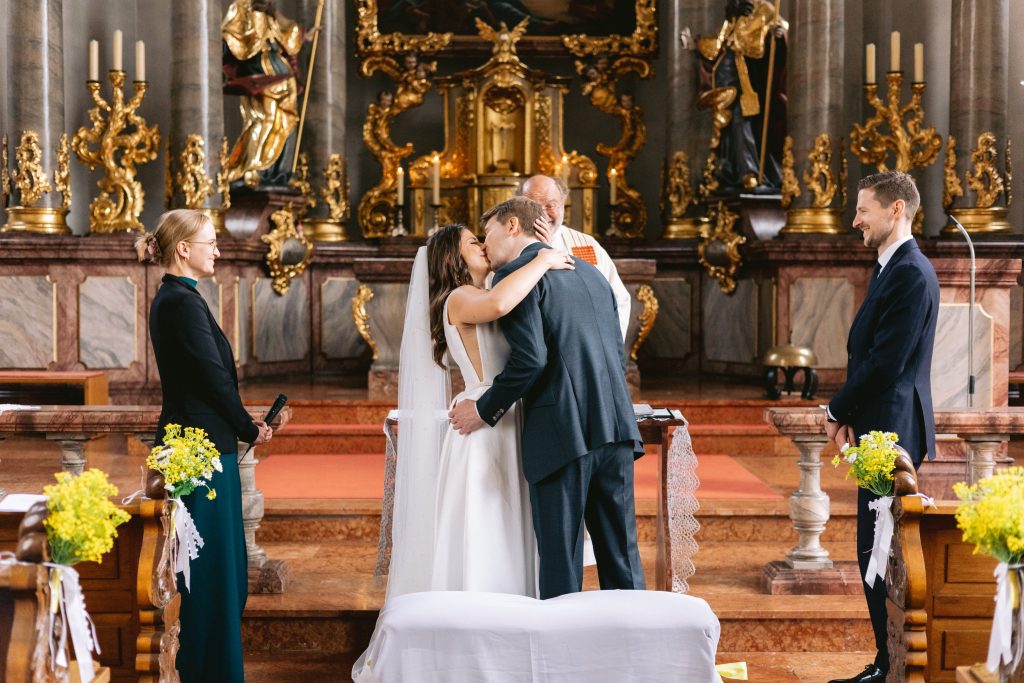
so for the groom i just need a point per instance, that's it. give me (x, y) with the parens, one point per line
(579, 431)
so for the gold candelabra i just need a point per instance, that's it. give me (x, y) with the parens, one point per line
(913, 145)
(122, 140)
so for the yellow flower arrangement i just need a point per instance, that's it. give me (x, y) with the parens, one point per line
(992, 515)
(187, 459)
(872, 461)
(82, 523)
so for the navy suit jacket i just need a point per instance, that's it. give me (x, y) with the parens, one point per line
(197, 368)
(568, 366)
(888, 377)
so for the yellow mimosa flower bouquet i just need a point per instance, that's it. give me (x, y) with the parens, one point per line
(187, 459)
(872, 461)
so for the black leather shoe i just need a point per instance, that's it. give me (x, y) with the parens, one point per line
(870, 674)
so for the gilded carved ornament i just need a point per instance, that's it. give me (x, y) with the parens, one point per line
(369, 39)
(646, 317)
(192, 180)
(62, 174)
(5, 176)
(1009, 173)
(643, 40)
(983, 177)
(122, 139)
(912, 144)
(790, 186)
(223, 184)
(361, 318)
(676, 187)
(844, 172)
(286, 237)
(708, 181)
(335, 190)
(29, 177)
(168, 176)
(819, 178)
(719, 249)
(300, 181)
(951, 187)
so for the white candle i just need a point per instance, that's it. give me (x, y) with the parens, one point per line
(118, 37)
(894, 51)
(435, 181)
(919, 62)
(564, 169)
(614, 178)
(401, 186)
(869, 77)
(94, 60)
(140, 60)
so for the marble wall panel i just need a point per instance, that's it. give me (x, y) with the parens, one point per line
(28, 325)
(820, 314)
(387, 315)
(107, 309)
(767, 315)
(280, 323)
(210, 289)
(950, 362)
(729, 326)
(1016, 320)
(670, 336)
(339, 337)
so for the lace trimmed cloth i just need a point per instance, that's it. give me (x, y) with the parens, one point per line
(681, 492)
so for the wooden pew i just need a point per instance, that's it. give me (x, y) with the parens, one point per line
(940, 600)
(131, 596)
(87, 388)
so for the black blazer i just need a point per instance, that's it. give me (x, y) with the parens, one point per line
(568, 366)
(888, 377)
(197, 368)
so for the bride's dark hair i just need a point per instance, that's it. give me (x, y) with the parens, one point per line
(448, 271)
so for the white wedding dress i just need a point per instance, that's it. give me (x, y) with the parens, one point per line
(484, 539)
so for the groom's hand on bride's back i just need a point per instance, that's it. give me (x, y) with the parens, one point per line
(465, 418)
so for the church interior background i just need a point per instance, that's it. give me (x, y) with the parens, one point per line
(728, 215)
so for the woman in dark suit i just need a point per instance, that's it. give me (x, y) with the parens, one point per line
(200, 389)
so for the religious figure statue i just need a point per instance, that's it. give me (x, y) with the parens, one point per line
(261, 49)
(743, 80)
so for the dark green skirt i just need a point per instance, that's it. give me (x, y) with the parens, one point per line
(211, 613)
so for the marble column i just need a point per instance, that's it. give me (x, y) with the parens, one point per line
(688, 128)
(35, 117)
(197, 107)
(323, 136)
(977, 115)
(816, 123)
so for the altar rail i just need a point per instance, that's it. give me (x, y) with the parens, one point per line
(984, 433)
(71, 428)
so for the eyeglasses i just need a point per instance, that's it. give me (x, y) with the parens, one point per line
(212, 243)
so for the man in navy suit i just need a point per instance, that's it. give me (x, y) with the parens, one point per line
(580, 438)
(888, 375)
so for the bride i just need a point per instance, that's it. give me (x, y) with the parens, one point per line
(461, 517)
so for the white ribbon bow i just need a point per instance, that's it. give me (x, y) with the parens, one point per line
(186, 540)
(1000, 643)
(66, 593)
(884, 527)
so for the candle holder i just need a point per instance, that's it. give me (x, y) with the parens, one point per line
(913, 145)
(614, 214)
(122, 139)
(399, 227)
(436, 226)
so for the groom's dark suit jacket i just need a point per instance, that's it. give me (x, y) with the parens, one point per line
(888, 377)
(567, 364)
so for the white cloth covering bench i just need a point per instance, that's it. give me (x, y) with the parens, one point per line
(591, 637)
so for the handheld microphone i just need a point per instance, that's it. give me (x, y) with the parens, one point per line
(271, 414)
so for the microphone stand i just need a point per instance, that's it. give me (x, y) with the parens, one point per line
(970, 317)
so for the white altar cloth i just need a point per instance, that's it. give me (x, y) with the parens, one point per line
(591, 637)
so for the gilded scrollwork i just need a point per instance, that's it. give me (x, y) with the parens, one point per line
(708, 180)
(643, 40)
(168, 176)
(790, 186)
(283, 269)
(122, 139)
(29, 176)
(1008, 168)
(361, 318)
(599, 86)
(719, 249)
(844, 173)
(646, 317)
(677, 193)
(62, 174)
(951, 187)
(223, 186)
(412, 79)
(335, 189)
(369, 39)
(983, 177)
(5, 175)
(192, 180)
(819, 178)
(300, 181)
(913, 145)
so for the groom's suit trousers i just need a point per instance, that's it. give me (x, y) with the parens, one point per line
(596, 487)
